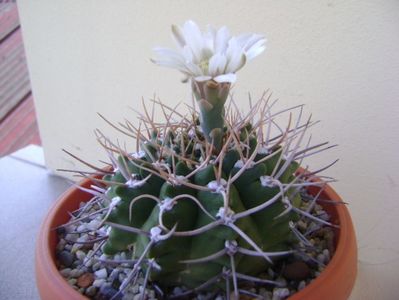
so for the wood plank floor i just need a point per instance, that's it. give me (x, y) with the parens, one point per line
(18, 125)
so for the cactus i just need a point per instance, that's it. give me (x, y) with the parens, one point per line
(209, 199)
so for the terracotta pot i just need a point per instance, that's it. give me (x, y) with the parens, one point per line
(335, 282)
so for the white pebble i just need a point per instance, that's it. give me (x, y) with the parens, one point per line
(98, 282)
(280, 293)
(76, 247)
(93, 225)
(71, 237)
(83, 238)
(301, 285)
(326, 253)
(321, 258)
(82, 228)
(121, 277)
(117, 257)
(80, 255)
(102, 273)
(104, 256)
(137, 297)
(70, 228)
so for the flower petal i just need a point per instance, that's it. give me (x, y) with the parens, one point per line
(236, 57)
(255, 51)
(202, 78)
(178, 35)
(221, 40)
(168, 54)
(230, 77)
(217, 64)
(194, 40)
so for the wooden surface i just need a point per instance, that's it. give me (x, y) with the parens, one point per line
(18, 126)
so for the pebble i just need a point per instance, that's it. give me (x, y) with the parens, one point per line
(72, 281)
(114, 274)
(80, 255)
(70, 228)
(82, 228)
(93, 225)
(107, 292)
(70, 237)
(83, 238)
(326, 253)
(75, 273)
(102, 273)
(66, 272)
(122, 277)
(321, 258)
(85, 280)
(91, 291)
(96, 266)
(65, 258)
(98, 282)
(301, 285)
(280, 293)
(297, 270)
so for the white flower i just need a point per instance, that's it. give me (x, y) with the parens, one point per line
(213, 54)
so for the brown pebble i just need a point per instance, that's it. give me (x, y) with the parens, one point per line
(85, 280)
(297, 270)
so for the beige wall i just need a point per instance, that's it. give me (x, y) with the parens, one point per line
(341, 58)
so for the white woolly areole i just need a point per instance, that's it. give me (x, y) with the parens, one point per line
(167, 204)
(226, 214)
(155, 233)
(133, 182)
(176, 180)
(263, 150)
(217, 187)
(138, 155)
(240, 164)
(267, 181)
(115, 201)
(231, 247)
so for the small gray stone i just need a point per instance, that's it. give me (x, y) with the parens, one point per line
(96, 266)
(91, 291)
(80, 255)
(65, 272)
(66, 258)
(107, 292)
(71, 237)
(75, 273)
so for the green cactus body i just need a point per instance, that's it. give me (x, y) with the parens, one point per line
(185, 190)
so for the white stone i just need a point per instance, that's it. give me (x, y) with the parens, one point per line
(102, 273)
(80, 255)
(98, 282)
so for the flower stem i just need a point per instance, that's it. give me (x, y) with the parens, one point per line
(211, 97)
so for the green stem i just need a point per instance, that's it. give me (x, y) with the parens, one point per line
(211, 97)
